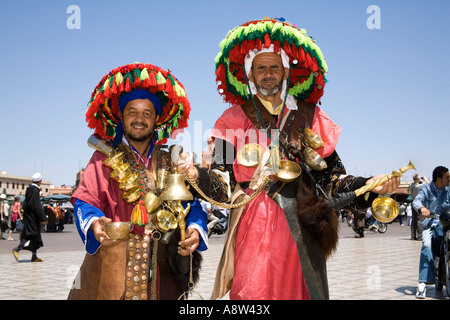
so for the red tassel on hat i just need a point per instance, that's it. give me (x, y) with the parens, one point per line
(152, 79)
(267, 41)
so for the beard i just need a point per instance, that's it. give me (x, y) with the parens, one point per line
(138, 137)
(268, 92)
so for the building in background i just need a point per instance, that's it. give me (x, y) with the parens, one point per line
(13, 185)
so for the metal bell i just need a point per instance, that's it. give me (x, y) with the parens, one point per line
(176, 189)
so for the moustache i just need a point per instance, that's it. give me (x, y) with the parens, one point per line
(139, 124)
(268, 79)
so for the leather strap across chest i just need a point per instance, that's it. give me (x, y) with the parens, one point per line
(294, 125)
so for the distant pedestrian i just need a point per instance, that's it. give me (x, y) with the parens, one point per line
(409, 215)
(416, 229)
(15, 217)
(3, 216)
(359, 221)
(33, 216)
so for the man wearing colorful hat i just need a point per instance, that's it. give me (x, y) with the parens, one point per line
(273, 75)
(134, 110)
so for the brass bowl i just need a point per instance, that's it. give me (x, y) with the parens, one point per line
(132, 195)
(313, 159)
(118, 230)
(120, 173)
(288, 171)
(131, 182)
(384, 209)
(312, 139)
(165, 220)
(250, 155)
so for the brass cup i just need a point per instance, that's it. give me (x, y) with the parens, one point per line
(115, 161)
(250, 155)
(313, 159)
(384, 209)
(312, 139)
(120, 173)
(118, 230)
(288, 171)
(131, 182)
(132, 195)
(161, 178)
(165, 220)
(151, 202)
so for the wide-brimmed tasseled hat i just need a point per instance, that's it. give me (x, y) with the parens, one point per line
(306, 62)
(103, 108)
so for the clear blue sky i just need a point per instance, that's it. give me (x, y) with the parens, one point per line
(388, 88)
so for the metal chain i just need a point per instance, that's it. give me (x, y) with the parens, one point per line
(264, 183)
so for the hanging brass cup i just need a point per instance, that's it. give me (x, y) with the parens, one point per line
(384, 209)
(250, 155)
(132, 195)
(131, 182)
(115, 161)
(312, 139)
(151, 202)
(118, 230)
(288, 171)
(313, 159)
(121, 172)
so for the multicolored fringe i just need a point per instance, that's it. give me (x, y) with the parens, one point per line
(308, 67)
(139, 214)
(103, 108)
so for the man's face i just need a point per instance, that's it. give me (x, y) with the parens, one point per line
(445, 180)
(138, 119)
(268, 73)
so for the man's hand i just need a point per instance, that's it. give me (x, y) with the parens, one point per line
(98, 227)
(425, 212)
(185, 165)
(388, 187)
(190, 244)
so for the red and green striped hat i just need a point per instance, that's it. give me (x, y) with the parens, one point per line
(103, 108)
(307, 65)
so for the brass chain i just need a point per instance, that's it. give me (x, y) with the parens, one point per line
(154, 289)
(263, 184)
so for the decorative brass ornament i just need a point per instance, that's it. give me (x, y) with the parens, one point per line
(166, 220)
